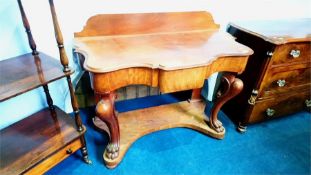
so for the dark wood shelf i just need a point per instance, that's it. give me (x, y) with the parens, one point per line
(26, 72)
(29, 142)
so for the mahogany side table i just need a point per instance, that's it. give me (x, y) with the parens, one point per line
(172, 51)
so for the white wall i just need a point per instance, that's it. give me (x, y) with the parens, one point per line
(73, 14)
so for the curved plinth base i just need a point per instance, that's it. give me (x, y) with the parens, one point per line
(135, 124)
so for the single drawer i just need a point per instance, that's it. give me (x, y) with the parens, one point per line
(56, 158)
(286, 80)
(276, 107)
(292, 53)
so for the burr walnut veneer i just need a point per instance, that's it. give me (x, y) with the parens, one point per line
(277, 77)
(172, 51)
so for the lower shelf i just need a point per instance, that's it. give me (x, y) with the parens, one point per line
(32, 141)
(135, 124)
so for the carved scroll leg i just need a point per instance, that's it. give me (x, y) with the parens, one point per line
(105, 111)
(231, 87)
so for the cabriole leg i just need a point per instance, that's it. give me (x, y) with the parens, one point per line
(231, 86)
(105, 111)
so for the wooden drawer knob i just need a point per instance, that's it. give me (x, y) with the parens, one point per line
(295, 53)
(270, 112)
(281, 83)
(69, 151)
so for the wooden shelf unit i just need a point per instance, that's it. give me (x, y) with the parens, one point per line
(26, 72)
(40, 141)
(24, 139)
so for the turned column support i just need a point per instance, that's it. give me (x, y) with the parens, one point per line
(31, 41)
(105, 111)
(59, 38)
(230, 87)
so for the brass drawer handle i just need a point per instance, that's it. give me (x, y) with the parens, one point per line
(270, 112)
(69, 151)
(281, 83)
(295, 53)
(308, 103)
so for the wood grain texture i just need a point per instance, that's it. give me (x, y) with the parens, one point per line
(21, 74)
(35, 139)
(293, 79)
(280, 79)
(167, 81)
(283, 31)
(172, 51)
(282, 105)
(183, 114)
(168, 51)
(282, 57)
(146, 23)
(56, 158)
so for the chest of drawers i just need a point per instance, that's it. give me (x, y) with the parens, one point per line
(277, 76)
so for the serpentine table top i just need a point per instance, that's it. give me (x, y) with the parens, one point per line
(173, 51)
(166, 51)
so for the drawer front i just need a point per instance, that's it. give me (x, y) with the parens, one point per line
(285, 81)
(56, 158)
(273, 108)
(290, 53)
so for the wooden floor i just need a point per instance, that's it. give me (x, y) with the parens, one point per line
(135, 124)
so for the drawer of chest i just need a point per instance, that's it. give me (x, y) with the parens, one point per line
(292, 53)
(282, 81)
(281, 106)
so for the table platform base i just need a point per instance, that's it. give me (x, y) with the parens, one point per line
(137, 123)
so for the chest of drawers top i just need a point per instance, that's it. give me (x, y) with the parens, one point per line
(278, 31)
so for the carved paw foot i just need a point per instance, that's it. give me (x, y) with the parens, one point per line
(87, 160)
(112, 151)
(217, 126)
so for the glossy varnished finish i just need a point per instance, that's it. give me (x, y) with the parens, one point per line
(56, 158)
(26, 72)
(281, 105)
(277, 31)
(131, 24)
(135, 124)
(26, 144)
(172, 51)
(165, 51)
(277, 75)
(42, 140)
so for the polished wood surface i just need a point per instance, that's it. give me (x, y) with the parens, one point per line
(167, 51)
(56, 158)
(277, 76)
(277, 31)
(280, 106)
(27, 72)
(40, 141)
(282, 54)
(66, 69)
(146, 23)
(135, 124)
(172, 51)
(31, 41)
(34, 139)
